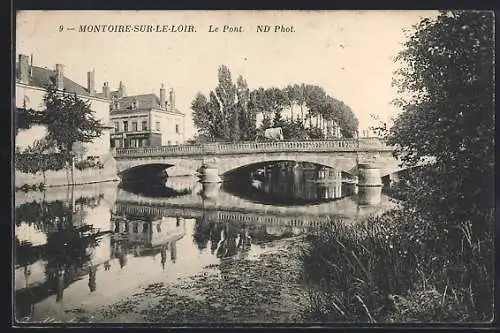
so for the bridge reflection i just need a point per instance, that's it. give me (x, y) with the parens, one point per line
(229, 207)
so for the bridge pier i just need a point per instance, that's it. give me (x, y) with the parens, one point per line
(210, 191)
(369, 184)
(209, 173)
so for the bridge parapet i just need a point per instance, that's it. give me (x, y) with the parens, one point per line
(338, 145)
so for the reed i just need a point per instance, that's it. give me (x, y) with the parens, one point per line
(398, 267)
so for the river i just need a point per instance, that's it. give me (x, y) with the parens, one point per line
(84, 248)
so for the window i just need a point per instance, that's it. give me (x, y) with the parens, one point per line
(157, 125)
(134, 126)
(125, 126)
(144, 125)
(117, 126)
(117, 143)
(169, 142)
(177, 128)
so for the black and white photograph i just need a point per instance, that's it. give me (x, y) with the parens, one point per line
(225, 167)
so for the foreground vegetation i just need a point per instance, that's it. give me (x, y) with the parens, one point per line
(398, 268)
(431, 260)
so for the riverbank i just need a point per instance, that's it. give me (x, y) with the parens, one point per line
(261, 289)
(51, 178)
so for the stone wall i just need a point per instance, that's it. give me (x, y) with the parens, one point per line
(63, 177)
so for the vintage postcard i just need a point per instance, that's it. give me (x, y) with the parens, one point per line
(253, 167)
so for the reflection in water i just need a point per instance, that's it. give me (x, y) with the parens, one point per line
(64, 255)
(228, 239)
(290, 183)
(87, 247)
(155, 190)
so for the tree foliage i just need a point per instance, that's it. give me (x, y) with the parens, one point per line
(246, 116)
(218, 117)
(69, 119)
(39, 157)
(230, 113)
(448, 111)
(446, 83)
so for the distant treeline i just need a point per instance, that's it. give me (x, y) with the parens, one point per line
(230, 111)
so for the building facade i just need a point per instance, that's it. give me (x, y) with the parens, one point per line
(31, 84)
(144, 120)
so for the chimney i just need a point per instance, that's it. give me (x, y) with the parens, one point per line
(105, 90)
(91, 82)
(172, 99)
(162, 96)
(31, 65)
(122, 92)
(24, 69)
(60, 76)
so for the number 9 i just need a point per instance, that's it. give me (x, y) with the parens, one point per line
(61, 28)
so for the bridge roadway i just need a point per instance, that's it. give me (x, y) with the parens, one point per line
(229, 208)
(340, 154)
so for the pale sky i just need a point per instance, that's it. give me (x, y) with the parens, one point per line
(348, 53)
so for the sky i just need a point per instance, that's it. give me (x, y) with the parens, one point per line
(348, 53)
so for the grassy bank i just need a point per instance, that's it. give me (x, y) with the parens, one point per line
(399, 267)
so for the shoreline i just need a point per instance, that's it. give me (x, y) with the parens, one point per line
(262, 289)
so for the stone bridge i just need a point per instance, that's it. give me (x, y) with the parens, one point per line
(222, 158)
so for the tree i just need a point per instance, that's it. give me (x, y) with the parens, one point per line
(245, 113)
(25, 118)
(219, 117)
(203, 119)
(291, 94)
(278, 121)
(299, 92)
(447, 86)
(381, 128)
(41, 160)
(449, 114)
(69, 120)
(226, 95)
(294, 130)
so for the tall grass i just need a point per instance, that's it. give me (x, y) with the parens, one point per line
(399, 267)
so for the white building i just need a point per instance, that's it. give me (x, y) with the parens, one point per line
(329, 128)
(144, 120)
(31, 83)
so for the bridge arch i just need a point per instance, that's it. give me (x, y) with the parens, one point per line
(182, 166)
(338, 162)
(145, 167)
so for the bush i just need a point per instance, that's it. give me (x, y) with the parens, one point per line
(38, 162)
(89, 164)
(31, 187)
(398, 267)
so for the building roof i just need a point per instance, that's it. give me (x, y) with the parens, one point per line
(42, 77)
(112, 94)
(145, 101)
